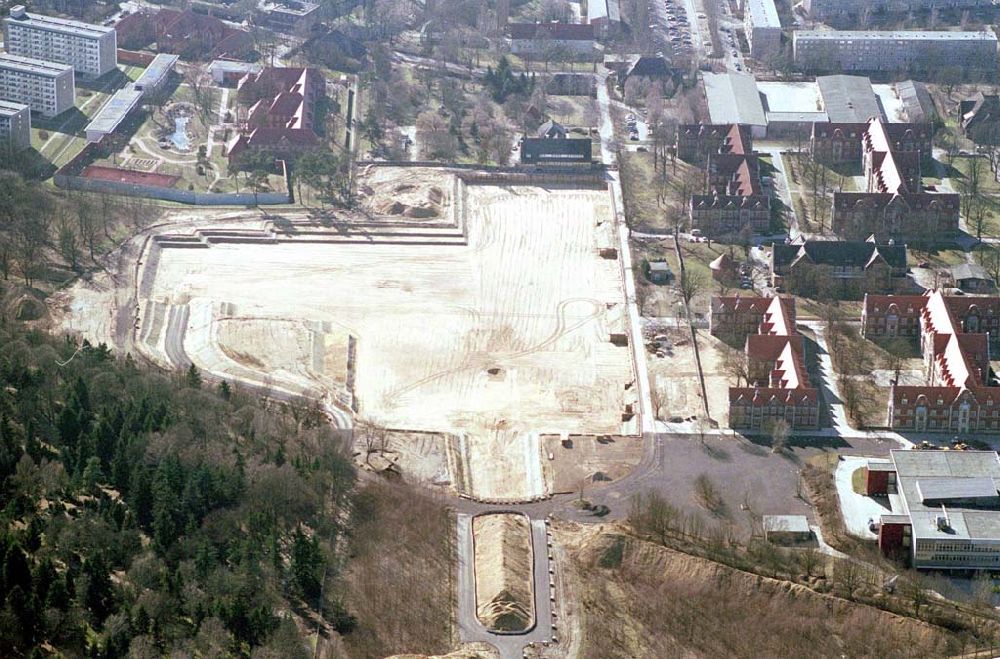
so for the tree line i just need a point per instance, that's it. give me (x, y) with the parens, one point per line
(145, 514)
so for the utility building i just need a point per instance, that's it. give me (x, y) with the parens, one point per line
(945, 508)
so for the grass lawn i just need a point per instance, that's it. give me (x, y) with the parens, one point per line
(640, 182)
(934, 258)
(858, 480)
(573, 110)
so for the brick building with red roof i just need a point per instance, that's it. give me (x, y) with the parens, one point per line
(777, 381)
(278, 108)
(956, 335)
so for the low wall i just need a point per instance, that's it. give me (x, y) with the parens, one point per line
(170, 194)
(133, 57)
(69, 177)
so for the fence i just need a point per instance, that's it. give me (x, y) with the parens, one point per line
(68, 177)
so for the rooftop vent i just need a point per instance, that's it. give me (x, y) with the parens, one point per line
(942, 520)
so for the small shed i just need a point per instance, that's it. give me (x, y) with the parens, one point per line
(972, 278)
(787, 529)
(659, 272)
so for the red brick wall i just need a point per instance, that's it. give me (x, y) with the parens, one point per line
(890, 539)
(876, 482)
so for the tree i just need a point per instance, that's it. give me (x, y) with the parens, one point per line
(98, 595)
(435, 137)
(691, 283)
(307, 565)
(193, 377)
(737, 366)
(914, 588)
(988, 256)
(779, 430)
(69, 245)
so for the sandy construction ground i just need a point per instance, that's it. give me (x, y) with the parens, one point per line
(493, 336)
(675, 376)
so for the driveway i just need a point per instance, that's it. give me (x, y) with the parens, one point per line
(511, 646)
(856, 508)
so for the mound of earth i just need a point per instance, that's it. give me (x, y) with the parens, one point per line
(503, 564)
(27, 307)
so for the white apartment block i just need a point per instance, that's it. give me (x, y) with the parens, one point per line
(844, 51)
(90, 49)
(15, 127)
(46, 87)
(763, 29)
(841, 8)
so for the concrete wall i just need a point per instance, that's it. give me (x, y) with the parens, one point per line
(169, 194)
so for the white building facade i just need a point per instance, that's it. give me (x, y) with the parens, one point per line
(46, 87)
(15, 127)
(90, 49)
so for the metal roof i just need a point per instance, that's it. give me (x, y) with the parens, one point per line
(227, 66)
(940, 490)
(786, 523)
(801, 117)
(763, 13)
(32, 65)
(885, 35)
(956, 464)
(848, 99)
(115, 110)
(597, 9)
(969, 271)
(52, 24)
(9, 108)
(157, 70)
(733, 98)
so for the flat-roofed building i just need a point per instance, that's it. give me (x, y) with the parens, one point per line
(113, 113)
(848, 99)
(227, 72)
(156, 75)
(46, 87)
(896, 50)
(90, 49)
(763, 29)
(733, 98)
(288, 15)
(15, 127)
(845, 8)
(945, 509)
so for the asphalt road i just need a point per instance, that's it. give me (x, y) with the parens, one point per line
(470, 630)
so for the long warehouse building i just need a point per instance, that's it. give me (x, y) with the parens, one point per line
(855, 50)
(46, 87)
(92, 50)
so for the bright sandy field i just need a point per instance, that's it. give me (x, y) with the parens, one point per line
(495, 341)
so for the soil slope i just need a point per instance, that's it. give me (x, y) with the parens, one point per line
(503, 571)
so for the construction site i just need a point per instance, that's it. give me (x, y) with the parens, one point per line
(488, 314)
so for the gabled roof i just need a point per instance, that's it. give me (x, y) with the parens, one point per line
(840, 252)
(969, 271)
(649, 66)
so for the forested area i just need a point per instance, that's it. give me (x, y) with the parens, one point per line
(145, 513)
